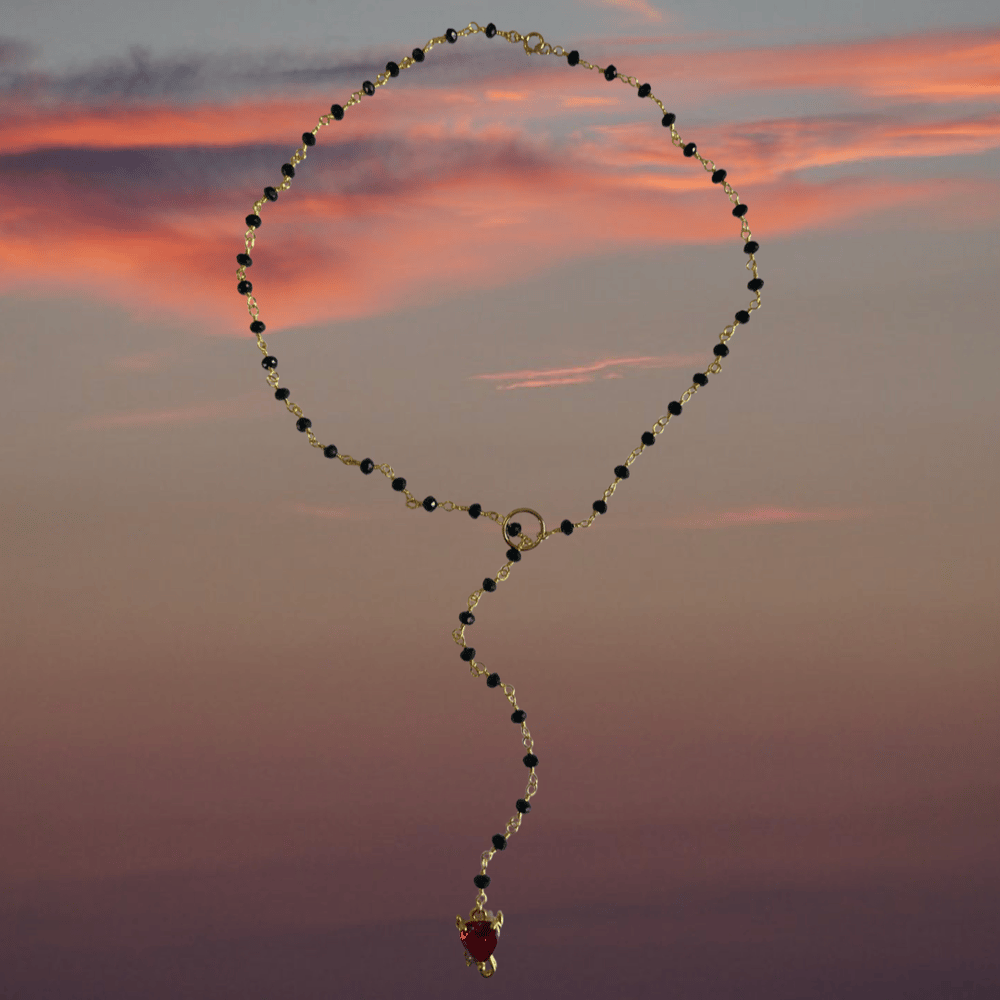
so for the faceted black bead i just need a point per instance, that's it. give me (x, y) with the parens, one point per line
(282, 393)
(288, 170)
(523, 806)
(269, 362)
(399, 484)
(367, 465)
(621, 471)
(690, 149)
(270, 194)
(392, 68)
(303, 422)
(573, 58)
(493, 680)
(491, 30)
(700, 379)
(499, 841)
(752, 247)
(418, 55)
(481, 881)
(743, 316)
(740, 211)
(530, 760)
(718, 177)
(244, 288)
(513, 529)
(244, 259)
(513, 555)
(610, 73)
(648, 438)
(451, 34)
(755, 284)
(257, 326)
(309, 139)
(720, 350)
(253, 220)
(475, 510)
(519, 716)
(467, 654)
(466, 617)
(368, 87)
(489, 585)
(566, 527)
(668, 119)
(337, 111)
(674, 408)
(600, 506)
(330, 451)
(644, 90)
(430, 503)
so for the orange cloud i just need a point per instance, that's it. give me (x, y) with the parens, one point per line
(765, 515)
(535, 378)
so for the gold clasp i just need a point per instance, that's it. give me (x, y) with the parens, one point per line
(533, 48)
(524, 544)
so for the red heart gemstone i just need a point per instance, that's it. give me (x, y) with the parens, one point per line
(479, 938)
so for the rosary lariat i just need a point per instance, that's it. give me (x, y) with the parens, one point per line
(480, 930)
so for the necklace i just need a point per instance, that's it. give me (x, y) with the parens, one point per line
(479, 932)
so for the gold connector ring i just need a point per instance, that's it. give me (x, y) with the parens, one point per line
(524, 545)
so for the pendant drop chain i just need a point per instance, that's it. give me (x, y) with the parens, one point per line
(479, 931)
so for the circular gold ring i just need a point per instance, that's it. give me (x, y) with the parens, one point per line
(524, 546)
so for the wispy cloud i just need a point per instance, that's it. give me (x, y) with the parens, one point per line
(197, 413)
(765, 515)
(536, 378)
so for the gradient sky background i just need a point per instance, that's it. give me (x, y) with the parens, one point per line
(242, 757)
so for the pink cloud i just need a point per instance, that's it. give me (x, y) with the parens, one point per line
(764, 515)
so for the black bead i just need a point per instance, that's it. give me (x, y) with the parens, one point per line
(243, 259)
(303, 422)
(475, 510)
(513, 529)
(489, 585)
(468, 653)
(740, 211)
(309, 139)
(466, 617)
(648, 438)
(621, 471)
(392, 68)
(530, 760)
(368, 87)
(519, 716)
(523, 806)
(253, 220)
(337, 111)
(269, 362)
(270, 194)
(690, 149)
(668, 119)
(718, 177)
(499, 841)
(644, 90)
(573, 58)
(282, 393)
(566, 527)
(399, 484)
(610, 73)
(493, 680)
(244, 287)
(720, 350)
(418, 55)
(600, 506)
(755, 284)
(752, 247)
(674, 408)
(367, 465)
(257, 326)
(491, 30)
(481, 881)
(700, 379)
(288, 170)
(430, 503)
(743, 316)
(451, 34)
(513, 555)
(330, 451)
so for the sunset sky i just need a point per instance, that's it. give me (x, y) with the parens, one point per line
(242, 756)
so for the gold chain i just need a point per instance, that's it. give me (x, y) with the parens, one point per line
(540, 47)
